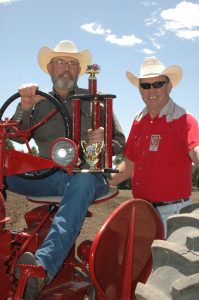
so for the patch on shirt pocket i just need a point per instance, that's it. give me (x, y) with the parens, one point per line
(154, 142)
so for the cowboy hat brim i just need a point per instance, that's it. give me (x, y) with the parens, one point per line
(46, 54)
(174, 73)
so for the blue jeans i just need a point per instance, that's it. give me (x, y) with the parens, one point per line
(78, 191)
(166, 211)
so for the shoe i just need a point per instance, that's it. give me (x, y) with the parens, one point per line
(34, 284)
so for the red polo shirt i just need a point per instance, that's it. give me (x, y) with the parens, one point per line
(159, 149)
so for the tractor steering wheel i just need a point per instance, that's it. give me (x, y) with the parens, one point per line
(60, 108)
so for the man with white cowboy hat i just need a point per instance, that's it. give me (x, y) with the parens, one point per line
(64, 64)
(162, 144)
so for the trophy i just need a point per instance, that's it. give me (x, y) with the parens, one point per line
(92, 152)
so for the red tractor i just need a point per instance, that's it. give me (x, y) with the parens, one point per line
(120, 255)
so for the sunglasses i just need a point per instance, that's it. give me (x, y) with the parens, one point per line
(155, 85)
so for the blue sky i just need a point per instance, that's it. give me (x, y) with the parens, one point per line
(119, 34)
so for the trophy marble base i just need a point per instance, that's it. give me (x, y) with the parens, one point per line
(95, 170)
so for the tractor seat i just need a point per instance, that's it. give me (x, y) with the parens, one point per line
(112, 192)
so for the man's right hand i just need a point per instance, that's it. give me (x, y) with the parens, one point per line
(28, 95)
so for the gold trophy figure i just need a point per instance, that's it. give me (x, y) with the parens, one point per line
(92, 152)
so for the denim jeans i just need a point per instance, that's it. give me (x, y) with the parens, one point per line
(166, 211)
(79, 191)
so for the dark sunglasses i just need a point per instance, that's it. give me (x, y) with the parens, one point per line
(155, 85)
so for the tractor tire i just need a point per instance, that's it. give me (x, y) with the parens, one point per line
(175, 273)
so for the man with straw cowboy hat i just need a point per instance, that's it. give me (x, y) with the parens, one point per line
(64, 64)
(162, 144)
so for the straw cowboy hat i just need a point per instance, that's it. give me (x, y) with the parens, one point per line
(152, 67)
(64, 48)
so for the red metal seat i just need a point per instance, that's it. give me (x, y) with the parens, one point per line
(120, 254)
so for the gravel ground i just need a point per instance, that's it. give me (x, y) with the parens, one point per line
(17, 205)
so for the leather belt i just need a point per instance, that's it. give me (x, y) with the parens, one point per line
(155, 204)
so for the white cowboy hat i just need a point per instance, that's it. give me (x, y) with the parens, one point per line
(64, 48)
(152, 67)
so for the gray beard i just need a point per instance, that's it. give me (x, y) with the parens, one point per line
(63, 85)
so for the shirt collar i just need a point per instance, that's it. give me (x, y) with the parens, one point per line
(168, 110)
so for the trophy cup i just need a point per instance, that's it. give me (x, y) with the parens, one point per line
(92, 152)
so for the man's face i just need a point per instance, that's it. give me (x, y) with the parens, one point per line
(64, 71)
(155, 97)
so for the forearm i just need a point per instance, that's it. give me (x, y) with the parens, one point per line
(24, 116)
(125, 171)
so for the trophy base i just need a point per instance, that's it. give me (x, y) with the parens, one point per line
(93, 170)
